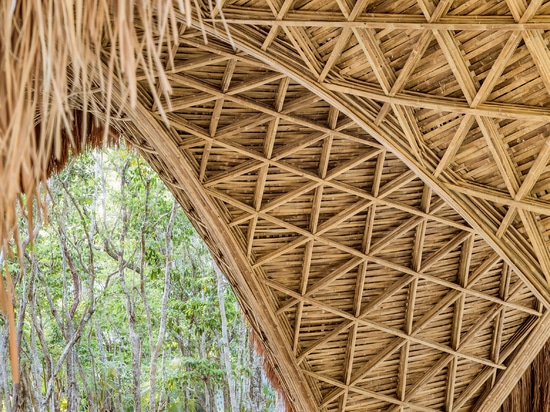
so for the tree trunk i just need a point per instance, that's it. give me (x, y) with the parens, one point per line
(256, 384)
(134, 336)
(73, 398)
(225, 350)
(4, 385)
(208, 404)
(142, 266)
(245, 361)
(72, 385)
(36, 366)
(164, 306)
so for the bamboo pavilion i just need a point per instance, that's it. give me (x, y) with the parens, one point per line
(372, 176)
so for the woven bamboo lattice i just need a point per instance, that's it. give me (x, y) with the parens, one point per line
(373, 178)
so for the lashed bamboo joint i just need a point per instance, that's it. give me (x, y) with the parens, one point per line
(372, 177)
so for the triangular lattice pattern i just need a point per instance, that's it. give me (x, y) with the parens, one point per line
(380, 170)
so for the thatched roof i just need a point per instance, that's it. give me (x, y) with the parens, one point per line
(372, 177)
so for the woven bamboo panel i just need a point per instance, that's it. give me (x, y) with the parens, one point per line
(373, 178)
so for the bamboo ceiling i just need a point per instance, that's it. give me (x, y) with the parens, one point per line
(373, 178)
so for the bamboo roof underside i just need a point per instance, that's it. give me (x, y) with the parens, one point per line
(373, 179)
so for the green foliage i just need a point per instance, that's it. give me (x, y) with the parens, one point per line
(109, 215)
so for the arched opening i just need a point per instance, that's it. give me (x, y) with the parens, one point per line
(119, 305)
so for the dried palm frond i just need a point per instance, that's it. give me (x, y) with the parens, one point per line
(259, 346)
(55, 55)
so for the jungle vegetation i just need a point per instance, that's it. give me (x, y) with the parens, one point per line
(119, 305)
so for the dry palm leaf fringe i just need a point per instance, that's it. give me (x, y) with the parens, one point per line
(259, 346)
(57, 56)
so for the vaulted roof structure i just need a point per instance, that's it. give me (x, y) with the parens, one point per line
(372, 177)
